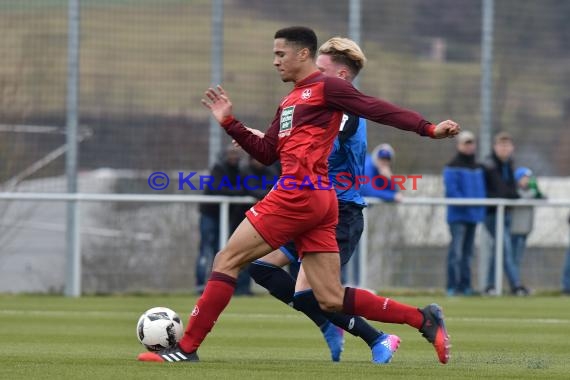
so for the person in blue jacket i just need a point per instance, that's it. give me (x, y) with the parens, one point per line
(378, 171)
(463, 177)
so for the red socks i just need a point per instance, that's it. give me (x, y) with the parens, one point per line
(216, 296)
(220, 288)
(370, 306)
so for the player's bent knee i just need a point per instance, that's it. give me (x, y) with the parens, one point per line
(330, 304)
(330, 307)
(229, 262)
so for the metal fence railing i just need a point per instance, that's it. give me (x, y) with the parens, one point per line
(73, 272)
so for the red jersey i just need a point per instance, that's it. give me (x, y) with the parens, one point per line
(307, 121)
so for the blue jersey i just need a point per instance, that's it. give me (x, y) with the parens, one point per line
(348, 156)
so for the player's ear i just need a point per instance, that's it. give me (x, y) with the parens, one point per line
(343, 74)
(304, 54)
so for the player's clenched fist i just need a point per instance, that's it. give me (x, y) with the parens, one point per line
(447, 128)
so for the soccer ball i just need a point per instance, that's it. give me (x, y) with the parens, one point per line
(159, 328)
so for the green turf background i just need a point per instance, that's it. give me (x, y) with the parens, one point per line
(44, 337)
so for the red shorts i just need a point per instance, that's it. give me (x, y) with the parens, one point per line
(308, 217)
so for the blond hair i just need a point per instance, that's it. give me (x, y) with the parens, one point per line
(344, 51)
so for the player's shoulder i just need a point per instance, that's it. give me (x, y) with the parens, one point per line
(314, 78)
(318, 77)
(334, 84)
(336, 81)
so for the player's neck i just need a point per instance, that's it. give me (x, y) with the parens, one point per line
(305, 72)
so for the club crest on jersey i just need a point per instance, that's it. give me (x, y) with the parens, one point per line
(306, 94)
(286, 122)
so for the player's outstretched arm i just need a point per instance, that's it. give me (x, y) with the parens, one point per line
(342, 95)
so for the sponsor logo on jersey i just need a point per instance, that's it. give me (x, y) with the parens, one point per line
(306, 94)
(286, 122)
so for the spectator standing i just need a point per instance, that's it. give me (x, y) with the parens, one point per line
(463, 178)
(500, 183)
(378, 169)
(523, 216)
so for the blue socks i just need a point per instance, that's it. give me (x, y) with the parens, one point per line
(273, 278)
(307, 303)
(282, 286)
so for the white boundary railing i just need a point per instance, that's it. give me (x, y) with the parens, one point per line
(499, 225)
(73, 277)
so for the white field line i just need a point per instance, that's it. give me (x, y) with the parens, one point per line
(99, 314)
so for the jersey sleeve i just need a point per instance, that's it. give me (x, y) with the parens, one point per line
(263, 149)
(341, 94)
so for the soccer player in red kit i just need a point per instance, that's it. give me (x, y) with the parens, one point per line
(303, 206)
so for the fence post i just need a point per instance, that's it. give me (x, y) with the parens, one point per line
(486, 78)
(354, 25)
(499, 244)
(486, 96)
(73, 264)
(224, 223)
(217, 59)
(363, 259)
(484, 256)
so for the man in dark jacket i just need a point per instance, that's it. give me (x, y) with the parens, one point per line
(463, 178)
(225, 175)
(500, 183)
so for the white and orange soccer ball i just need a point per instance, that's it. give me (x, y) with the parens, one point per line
(159, 328)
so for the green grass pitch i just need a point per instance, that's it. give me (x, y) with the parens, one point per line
(47, 337)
